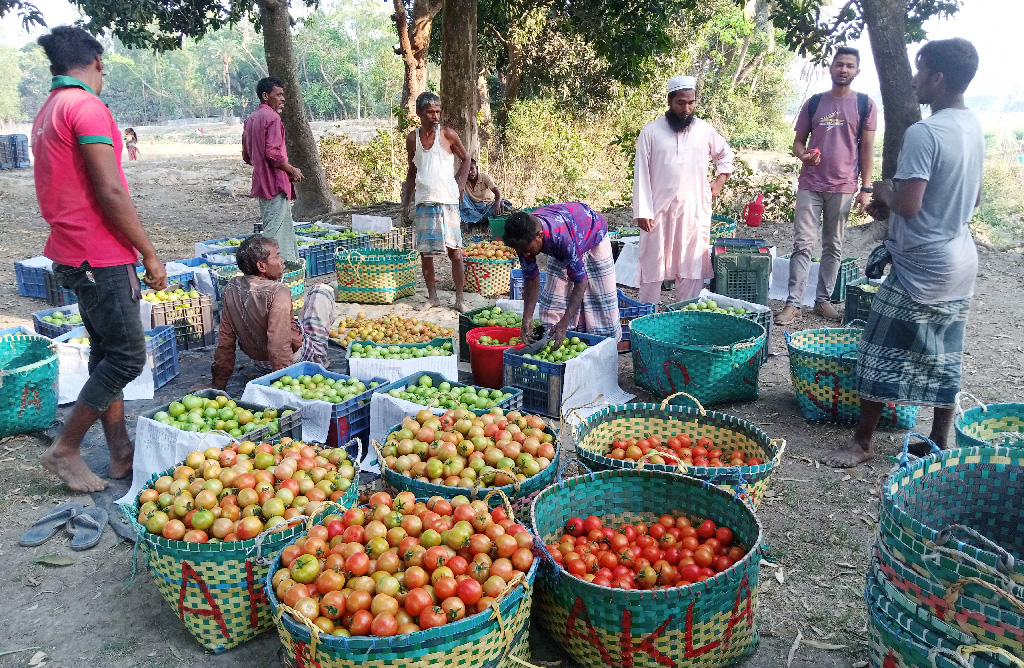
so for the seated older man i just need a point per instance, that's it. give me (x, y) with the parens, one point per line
(258, 315)
(482, 197)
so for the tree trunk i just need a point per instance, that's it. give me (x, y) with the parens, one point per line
(886, 23)
(413, 47)
(458, 70)
(313, 195)
(483, 99)
(742, 57)
(513, 79)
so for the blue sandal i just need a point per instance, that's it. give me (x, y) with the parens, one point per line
(47, 526)
(87, 527)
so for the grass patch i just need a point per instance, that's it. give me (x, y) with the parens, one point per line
(119, 648)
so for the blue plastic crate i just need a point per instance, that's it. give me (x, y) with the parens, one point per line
(319, 256)
(184, 278)
(19, 151)
(31, 280)
(226, 249)
(349, 419)
(6, 153)
(513, 403)
(161, 351)
(212, 260)
(630, 309)
(516, 286)
(542, 388)
(20, 329)
(49, 330)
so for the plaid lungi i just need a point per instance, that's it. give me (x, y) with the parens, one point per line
(437, 228)
(599, 314)
(315, 325)
(911, 353)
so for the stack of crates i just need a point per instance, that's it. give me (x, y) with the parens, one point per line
(19, 151)
(743, 268)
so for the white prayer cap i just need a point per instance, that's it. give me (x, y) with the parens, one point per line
(681, 83)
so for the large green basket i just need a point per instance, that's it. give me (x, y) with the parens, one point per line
(375, 276)
(986, 424)
(957, 514)
(28, 383)
(971, 605)
(216, 589)
(822, 366)
(898, 639)
(487, 276)
(709, 623)
(713, 356)
(596, 432)
(495, 638)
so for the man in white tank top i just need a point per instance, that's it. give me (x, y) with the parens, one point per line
(438, 190)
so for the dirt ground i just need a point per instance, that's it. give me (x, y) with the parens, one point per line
(818, 521)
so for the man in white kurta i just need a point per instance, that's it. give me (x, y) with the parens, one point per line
(672, 195)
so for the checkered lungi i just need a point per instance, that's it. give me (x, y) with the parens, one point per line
(600, 312)
(437, 228)
(911, 353)
(315, 325)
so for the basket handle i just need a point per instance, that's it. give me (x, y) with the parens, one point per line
(953, 593)
(359, 450)
(741, 488)
(505, 500)
(964, 394)
(692, 398)
(643, 460)
(855, 323)
(905, 456)
(935, 552)
(1006, 561)
(787, 336)
(314, 630)
(962, 655)
(844, 355)
(561, 469)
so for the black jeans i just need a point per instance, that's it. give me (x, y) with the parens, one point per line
(108, 301)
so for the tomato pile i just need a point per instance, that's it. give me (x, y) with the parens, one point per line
(489, 250)
(671, 552)
(459, 449)
(237, 492)
(677, 449)
(399, 566)
(387, 329)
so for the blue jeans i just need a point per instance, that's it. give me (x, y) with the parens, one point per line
(108, 301)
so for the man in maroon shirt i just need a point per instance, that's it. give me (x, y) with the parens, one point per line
(272, 175)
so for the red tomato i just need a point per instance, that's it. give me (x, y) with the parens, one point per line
(417, 600)
(703, 557)
(618, 542)
(623, 583)
(431, 617)
(690, 572)
(608, 560)
(721, 563)
(656, 531)
(361, 622)
(736, 553)
(576, 567)
(470, 591)
(629, 532)
(574, 527)
(384, 625)
(445, 587)
(592, 523)
(706, 530)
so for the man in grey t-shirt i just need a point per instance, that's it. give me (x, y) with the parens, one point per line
(911, 351)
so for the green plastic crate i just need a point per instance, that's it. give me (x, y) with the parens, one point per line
(858, 300)
(743, 275)
(849, 271)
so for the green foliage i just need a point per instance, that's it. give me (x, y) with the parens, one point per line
(365, 174)
(809, 35)
(744, 185)
(999, 218)
(10, 77)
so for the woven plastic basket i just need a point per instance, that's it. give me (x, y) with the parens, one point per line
(822, 366)
(294, 278)
(713, 356)
(375, 276)
(722, 227)
(710, 623)
(487, 276)
(216, 589)
(523, 488)
(988, 425)
(28, 383)
(595, 433)
(972, 605)
(494, 638)
(957, 514)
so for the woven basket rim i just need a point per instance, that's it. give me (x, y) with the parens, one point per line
(131, 513)
(28, 368)
(634, 595)
(373, 255)
(367, 644)
(760, 436)
(738, 345)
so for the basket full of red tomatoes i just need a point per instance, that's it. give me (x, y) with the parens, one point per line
(408, 582)
(737, 455)
(647, 568)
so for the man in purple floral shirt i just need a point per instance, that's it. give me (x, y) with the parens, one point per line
(580, 291)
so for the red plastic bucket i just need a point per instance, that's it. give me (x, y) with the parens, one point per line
(487, 361)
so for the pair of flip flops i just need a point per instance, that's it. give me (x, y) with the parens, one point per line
(86, 526)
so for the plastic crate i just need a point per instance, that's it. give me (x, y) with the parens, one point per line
(184, 278)
(465, 324)
(349, 419)
(849, 271)
(516, 283)
(19, 151)
(763, 318)
(542, 389)
(742, 270)
(290, 425)
(402, 238)
(20, 329)
(49, 330)
(513, 403)
(161, 351)
(858, 300)
(31, 280)
(225, 248)
(55, 294)
(319, 255)
(193, 324)
(630, 309)
(6, 153)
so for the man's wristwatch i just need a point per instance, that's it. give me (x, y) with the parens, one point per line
(867, 190)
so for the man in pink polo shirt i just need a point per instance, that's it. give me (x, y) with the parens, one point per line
(272, 175)
(95, 240)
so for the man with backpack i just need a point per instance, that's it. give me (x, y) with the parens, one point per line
(835, 137)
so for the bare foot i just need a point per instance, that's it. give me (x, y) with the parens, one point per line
(433, 302)
(849, 455)
(460, 307)
(72, 470)
(121, 458)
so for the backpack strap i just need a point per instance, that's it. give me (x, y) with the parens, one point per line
(812, 106)
(862, 111)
